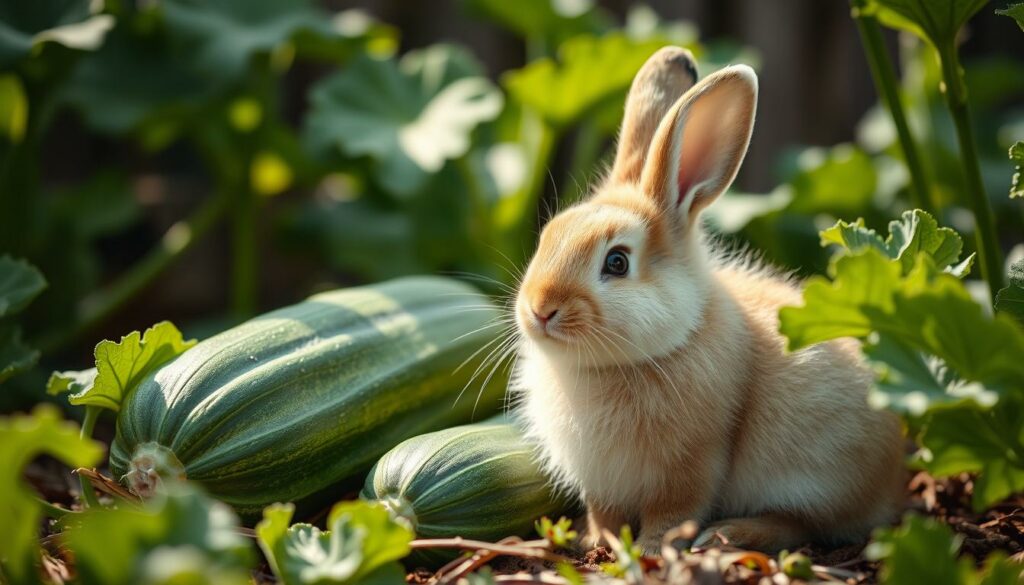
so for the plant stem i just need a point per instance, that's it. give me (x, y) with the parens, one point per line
(176, 240)
(989, 254)
(886, 85)
(89, 499)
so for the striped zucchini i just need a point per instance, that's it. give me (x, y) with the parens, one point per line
(478, 481)
(308, 397)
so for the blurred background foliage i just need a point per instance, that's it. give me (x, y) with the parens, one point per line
(203, 160)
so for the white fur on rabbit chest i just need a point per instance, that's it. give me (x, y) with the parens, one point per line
(594, 440)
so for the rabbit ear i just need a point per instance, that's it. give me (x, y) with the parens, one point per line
(664, 77)
(700, 144)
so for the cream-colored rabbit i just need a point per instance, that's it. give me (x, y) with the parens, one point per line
(651, 370)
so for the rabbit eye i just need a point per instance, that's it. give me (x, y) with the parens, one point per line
(616, 263)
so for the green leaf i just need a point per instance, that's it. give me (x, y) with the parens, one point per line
(989, 443)
(22, 439)
(1016, 12)
(552, 21)
(220, 37)
(840, 180)
(911, 382)
(926, 310)
(102, 205)
(559, 533)
(1017, 156)
(919, 551)
(914, 233)
(20, 282)
(410, 117)
(363, 545)
(182, 536)
(590, 72)
(121, 366)
(15, 356)
(1010, 299)
(26, 25)
(937, 21)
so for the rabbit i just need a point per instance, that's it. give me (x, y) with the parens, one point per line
(650, 369)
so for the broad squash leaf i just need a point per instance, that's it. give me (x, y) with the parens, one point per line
(914, 233)
(927, 310)
(988, 442)
(919, 551)
(23, 438)
(20, 282)
(1010, 299)
(590, 72)
(15, 356)
(72, 23)
(1017, 156)
(1016, 12)
(182, 536)
(120, 366)
(409, 117)
(551, 21)
(363, 545)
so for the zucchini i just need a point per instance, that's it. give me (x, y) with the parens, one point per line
(307, 397)
(479, 481)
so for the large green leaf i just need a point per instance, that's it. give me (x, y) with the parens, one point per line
(988, 442)
(840, 180)
(20, 282)
(120, 366)
(182, 536)
(25, 25)
(1010, 300)
(409, 117)
(22, 439)
(220, 37)
(549, 21)
(15, 356)
(590, 72)
(363, 545)
(937, 21)
(916, 232)
(927, 310)
(1016, 12)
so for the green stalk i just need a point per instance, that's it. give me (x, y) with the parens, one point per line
(181, 236)
(884, 75)
(989, 254)
(89, 499)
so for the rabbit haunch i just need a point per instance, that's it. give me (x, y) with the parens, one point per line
(665, 393)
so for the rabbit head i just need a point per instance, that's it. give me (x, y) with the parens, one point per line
(623, 276)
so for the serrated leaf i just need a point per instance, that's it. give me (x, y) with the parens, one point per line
(590, 72)
(916, 232)
(1017, 156)
(1016, 12)
(363, 545)
(20, 282)
(920, 550)
(182, 536)
(120, 366)
(15, 356)
(72, 23)
(22, 439)
(1010, 299)
(986, 442)
(927, 310)
(410, 117)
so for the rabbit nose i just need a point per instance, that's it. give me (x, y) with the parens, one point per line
(540, 315)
